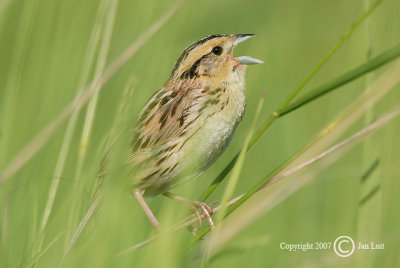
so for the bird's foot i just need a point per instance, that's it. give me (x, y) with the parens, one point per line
(201, 210)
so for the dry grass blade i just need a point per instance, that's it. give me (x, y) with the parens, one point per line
(29, 150)
(268, 198)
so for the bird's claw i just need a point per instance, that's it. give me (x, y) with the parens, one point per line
(207, 212)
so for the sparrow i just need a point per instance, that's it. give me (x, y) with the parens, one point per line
(188, 123)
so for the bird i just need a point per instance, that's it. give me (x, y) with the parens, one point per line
(188, 123)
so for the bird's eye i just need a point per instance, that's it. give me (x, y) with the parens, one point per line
(217, 50)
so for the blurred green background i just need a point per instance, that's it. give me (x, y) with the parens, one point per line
(44, 45)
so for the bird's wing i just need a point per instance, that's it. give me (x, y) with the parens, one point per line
(168, 115)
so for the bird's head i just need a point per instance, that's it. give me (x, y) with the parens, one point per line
(212, 57)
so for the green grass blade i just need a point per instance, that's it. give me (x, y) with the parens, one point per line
(266, 200)
(106, 32)
(37, 143)
(91, 48)
(370, 170)
(363, 17)
(384, 58)
(35, 258)
(235, 175)
(381, 87)
(364, 200)
(216, 182)
(82, 225)
(96, 196)
(343, 79)
(8, 105)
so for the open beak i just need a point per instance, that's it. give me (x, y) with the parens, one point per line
(245, 59)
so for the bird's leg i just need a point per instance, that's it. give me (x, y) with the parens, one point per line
(153, 220)
(206, 210)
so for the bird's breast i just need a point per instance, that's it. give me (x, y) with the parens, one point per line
(219, 121)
